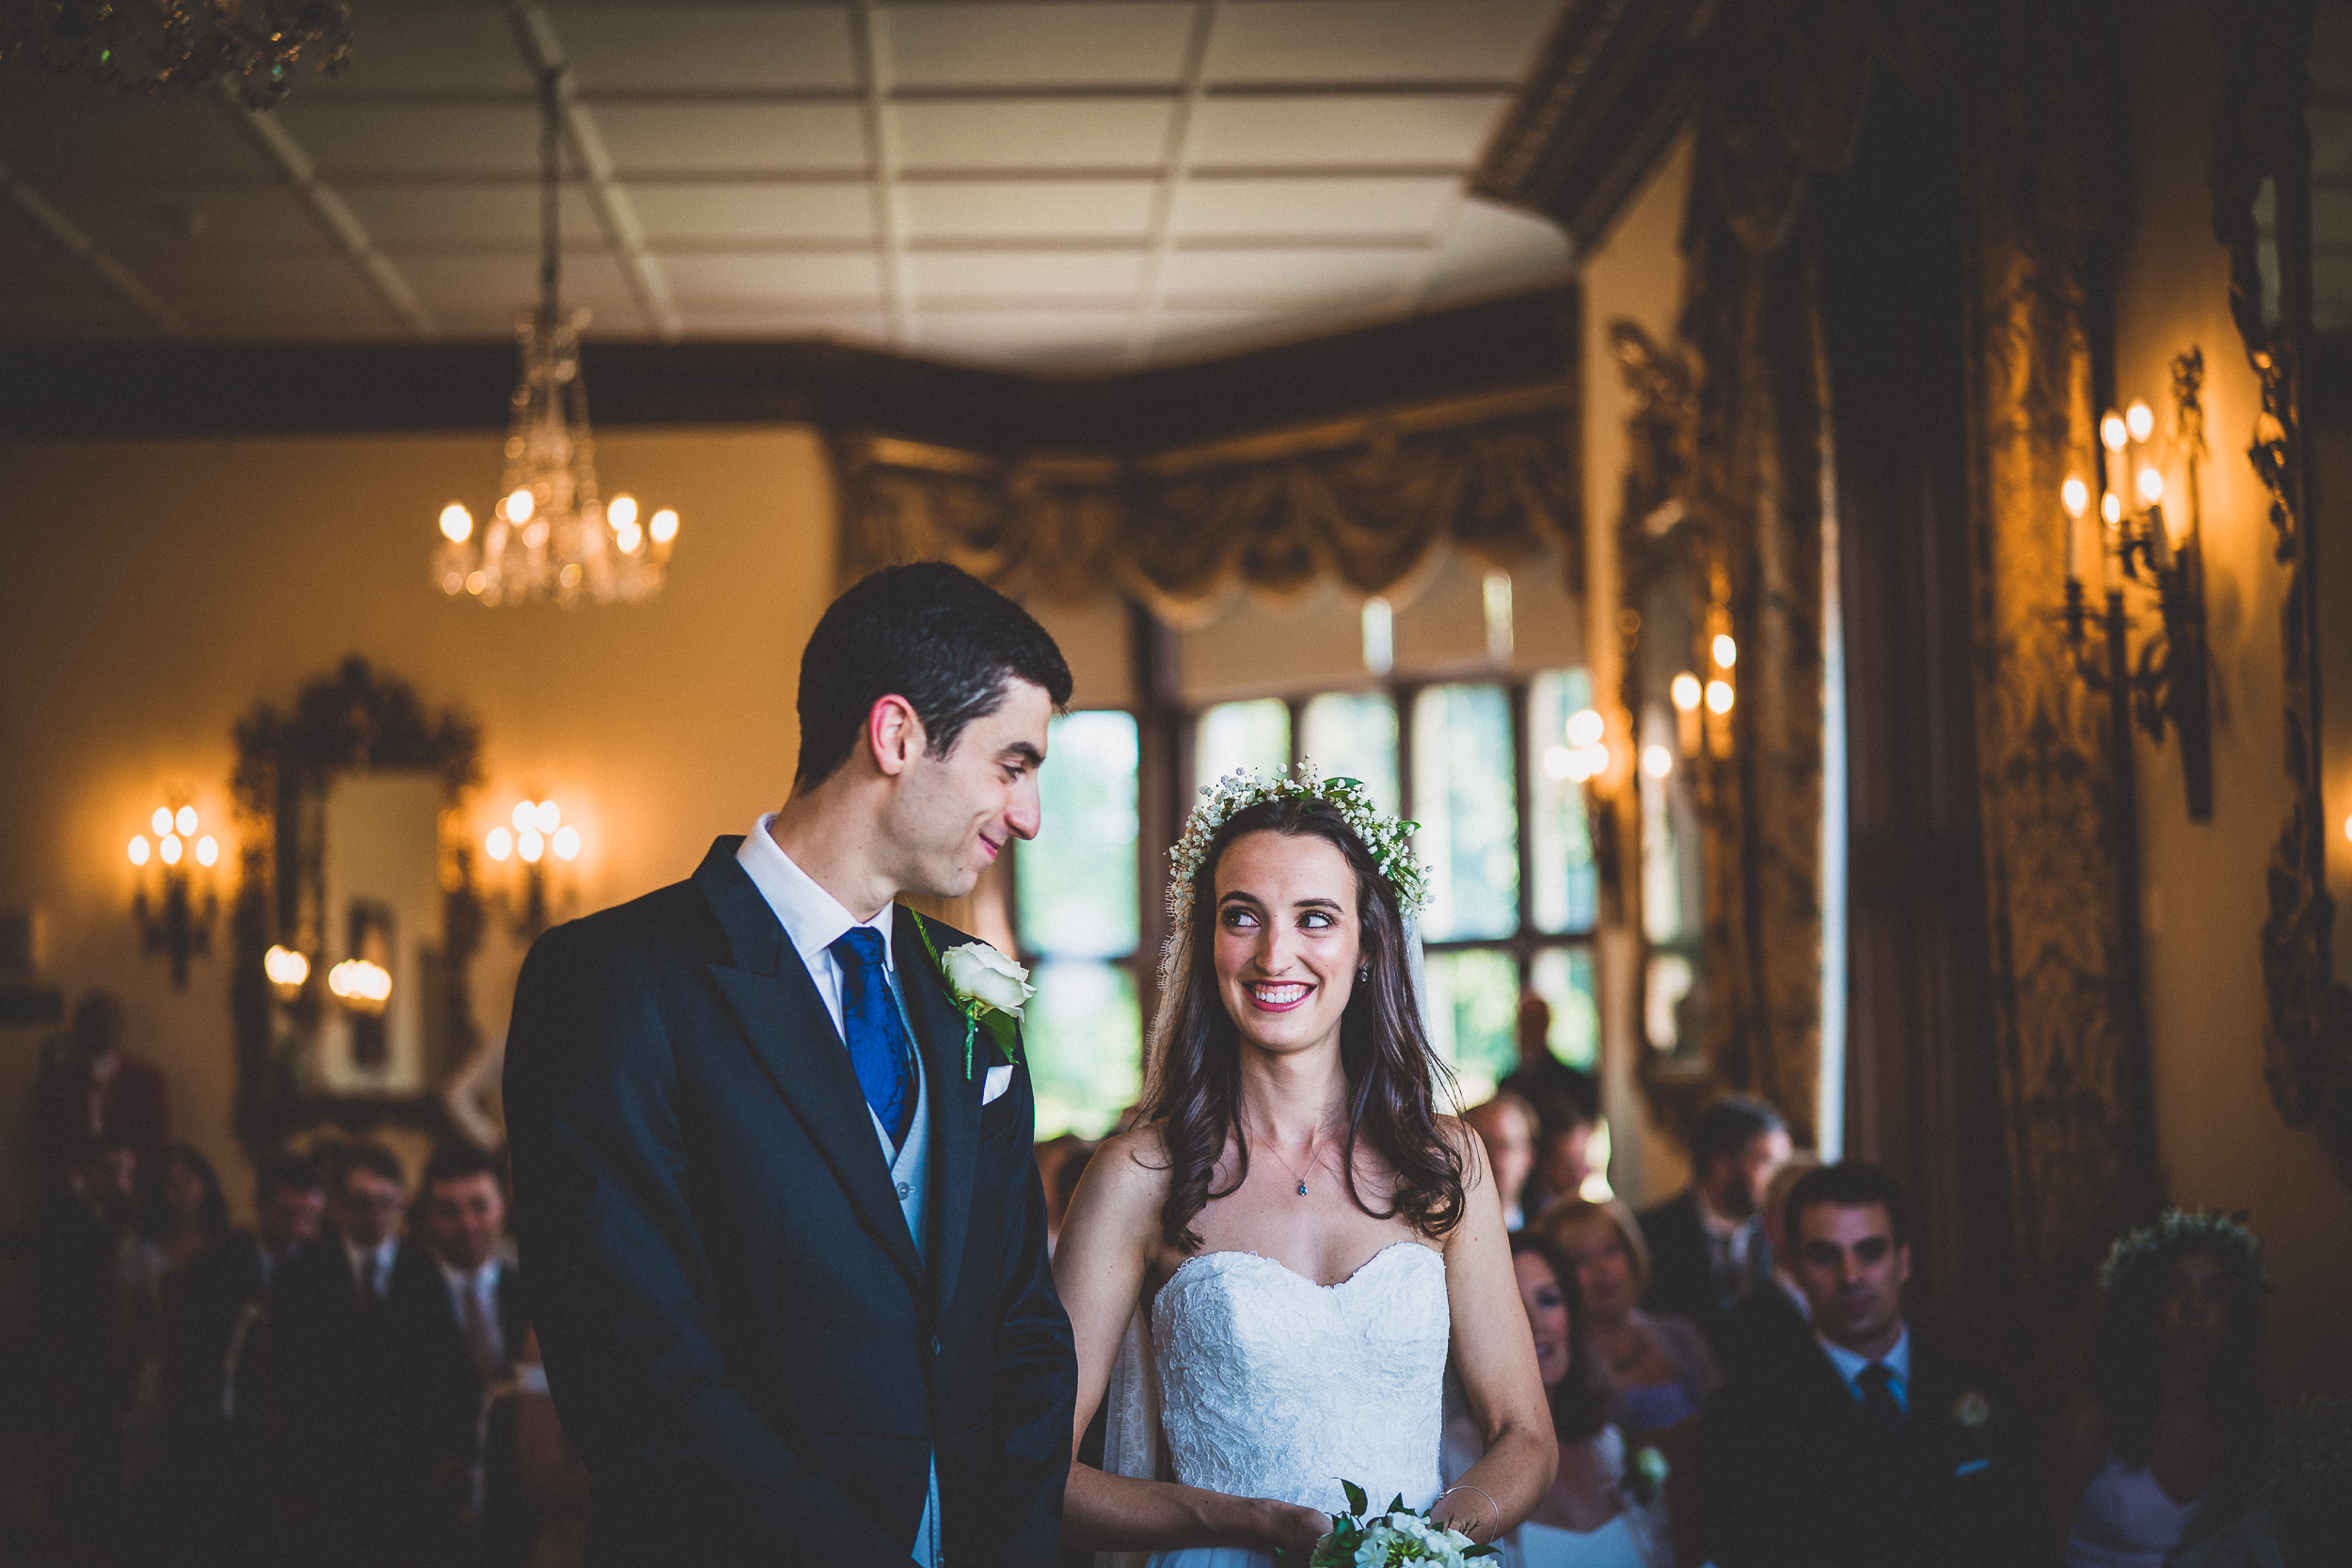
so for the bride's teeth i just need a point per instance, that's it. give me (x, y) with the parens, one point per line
(1279, 994)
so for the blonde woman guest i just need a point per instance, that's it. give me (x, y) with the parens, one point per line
(1655, 1364)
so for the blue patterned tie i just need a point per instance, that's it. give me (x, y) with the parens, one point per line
(869, 1023)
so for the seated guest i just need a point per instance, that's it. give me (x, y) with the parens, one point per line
(1706, 1242)
(1774, 1318)
(180, 1213)
(2168, 1446)
(1654, 1366)
(85, 1224)
(94, 1089)
(1563, 1153)
(1878, 1450)
(1558, 1092)
(1587, 1520)
(336, 1376)
(218, 1413)
(457, 1329)
(1506, 1125)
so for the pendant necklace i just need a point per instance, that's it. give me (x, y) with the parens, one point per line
(1313, 1145)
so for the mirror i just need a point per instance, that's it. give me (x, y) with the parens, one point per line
(2262, 195)
(1674, 593)
(357, 862)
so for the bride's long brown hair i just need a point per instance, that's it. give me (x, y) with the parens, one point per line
(1393, 1077)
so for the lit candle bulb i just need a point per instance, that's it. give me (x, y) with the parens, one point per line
(2076, 496)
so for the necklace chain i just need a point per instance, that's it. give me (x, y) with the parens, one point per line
(1313, 1145)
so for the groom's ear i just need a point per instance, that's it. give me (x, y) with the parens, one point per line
(894, 734)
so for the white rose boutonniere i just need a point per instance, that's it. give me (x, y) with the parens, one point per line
(1973, 1411)
(988, 987)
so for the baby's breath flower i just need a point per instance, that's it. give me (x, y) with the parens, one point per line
(1389, 840)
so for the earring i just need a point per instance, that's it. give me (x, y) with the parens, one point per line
(1364, 975)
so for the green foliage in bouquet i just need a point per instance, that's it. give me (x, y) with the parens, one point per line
(1393, 1538)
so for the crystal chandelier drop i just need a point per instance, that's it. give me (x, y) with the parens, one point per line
(250, 45)
(549, 537)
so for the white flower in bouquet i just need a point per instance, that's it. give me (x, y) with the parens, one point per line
(1394, 1538)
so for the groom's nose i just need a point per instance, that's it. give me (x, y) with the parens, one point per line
(1023, 816)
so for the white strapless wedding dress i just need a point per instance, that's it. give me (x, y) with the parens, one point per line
(1272, 1385)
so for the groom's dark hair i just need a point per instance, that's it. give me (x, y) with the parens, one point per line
(929, 632)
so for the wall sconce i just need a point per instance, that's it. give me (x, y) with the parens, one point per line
(361, 986)
(538, 836)
(1585, 757)
(2169, 682)
(175, 923)
(286, 970)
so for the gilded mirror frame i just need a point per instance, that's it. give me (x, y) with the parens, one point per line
(2262, 156)
(357, 720)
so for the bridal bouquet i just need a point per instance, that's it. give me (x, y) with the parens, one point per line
(1394, 1537)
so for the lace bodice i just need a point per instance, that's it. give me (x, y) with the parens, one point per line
(1272, 1385)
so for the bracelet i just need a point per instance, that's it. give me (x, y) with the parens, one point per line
(1465, 1486)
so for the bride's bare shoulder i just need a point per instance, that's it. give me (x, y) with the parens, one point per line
(1133, 1164)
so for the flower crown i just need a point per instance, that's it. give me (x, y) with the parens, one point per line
(2186, 1230)
(1389, 839)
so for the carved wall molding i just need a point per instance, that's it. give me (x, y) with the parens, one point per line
(2261, 140)
(1360, 501)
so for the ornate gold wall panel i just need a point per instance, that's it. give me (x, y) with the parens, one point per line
(1360, 501)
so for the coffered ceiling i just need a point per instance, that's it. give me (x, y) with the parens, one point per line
(1071, 185)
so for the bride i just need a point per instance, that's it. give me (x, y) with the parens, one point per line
(1291, 1242)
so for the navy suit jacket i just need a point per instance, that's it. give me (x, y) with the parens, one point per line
(741, 1337)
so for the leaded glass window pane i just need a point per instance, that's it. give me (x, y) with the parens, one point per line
(1464, 800)
(1564, 978)
(1242, 735)
(1082, 1031)
(1352, 736)
(1566, 891)
(1075, 882)
(1473, 1012)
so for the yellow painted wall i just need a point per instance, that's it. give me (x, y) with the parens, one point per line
(2219, 1138)
(157, 589)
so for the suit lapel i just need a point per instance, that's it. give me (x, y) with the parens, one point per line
(955, 1129)
(768, 990)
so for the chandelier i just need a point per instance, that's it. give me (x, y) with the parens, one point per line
(249, 45)
(549, 537)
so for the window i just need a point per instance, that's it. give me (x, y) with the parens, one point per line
(1075, 897)
(1502, 831)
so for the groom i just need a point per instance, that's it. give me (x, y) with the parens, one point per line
(783, 1240)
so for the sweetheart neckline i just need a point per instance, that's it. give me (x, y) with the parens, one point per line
(1352, 1275)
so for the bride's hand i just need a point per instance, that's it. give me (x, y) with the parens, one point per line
(1288, 1526)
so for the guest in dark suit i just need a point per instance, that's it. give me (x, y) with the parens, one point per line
(1774, 1321)
(457, 1329)
(1707, 1243)
(1877, 1451)
(784, 1234)
(336, 1372)
(97, 1090)
(84, 1221)
(220, 1419)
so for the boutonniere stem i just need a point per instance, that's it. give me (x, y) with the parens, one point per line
(989, 988)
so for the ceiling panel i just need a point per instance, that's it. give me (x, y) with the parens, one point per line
(772, 280)
(1435, 130)
(728, 137)
(1231, 207)
(219, 288)
(944, 276)
(446, 214)
(356, 138)
(1246, 275)
(57, 131)
(732, 212)
(1035, 45)
(1378, 40)
(721, 321)
(410, 49)
(135, 219)
(1027, 209)
(698, 49)
(467, 283)
(1035, 133)
(1079, 337)
(1491, 246)
(52, 295)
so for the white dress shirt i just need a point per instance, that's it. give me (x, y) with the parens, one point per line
(385, 1251)
(813, 921)
(483, 1284)
(1851, 1367)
